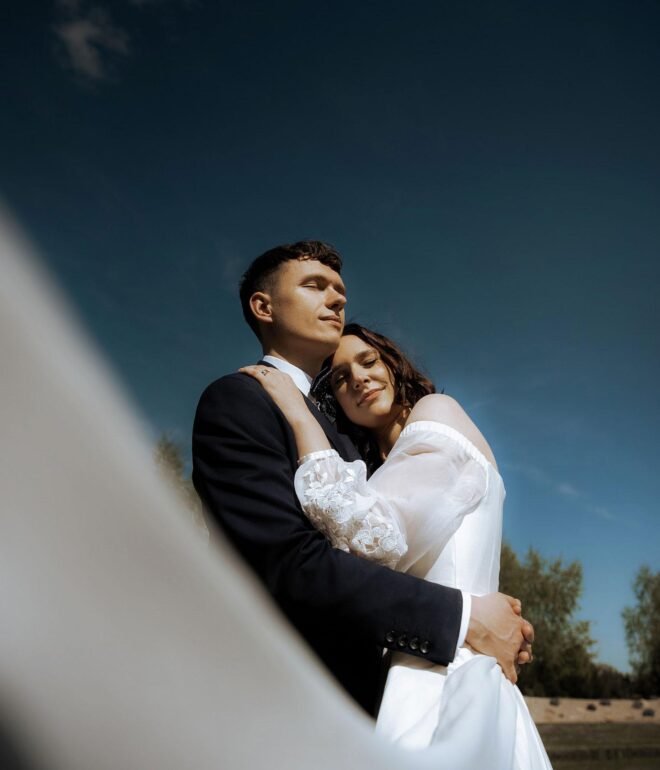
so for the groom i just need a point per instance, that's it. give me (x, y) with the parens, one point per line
(244, 461)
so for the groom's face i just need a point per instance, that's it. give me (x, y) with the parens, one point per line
(307, 300)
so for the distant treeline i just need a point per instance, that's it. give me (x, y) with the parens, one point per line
(550, 590)
(564, 662)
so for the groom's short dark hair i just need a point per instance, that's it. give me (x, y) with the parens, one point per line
(260, 274)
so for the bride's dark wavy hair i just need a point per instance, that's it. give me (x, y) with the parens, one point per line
(410, 385)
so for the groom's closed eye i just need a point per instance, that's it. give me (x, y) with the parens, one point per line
(320, 282)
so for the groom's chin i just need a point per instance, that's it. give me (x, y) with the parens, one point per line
(329, 340)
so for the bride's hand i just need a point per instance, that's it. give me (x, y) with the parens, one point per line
(281, 388)
(285, 393)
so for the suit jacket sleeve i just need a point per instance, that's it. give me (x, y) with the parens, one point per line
(243, 468)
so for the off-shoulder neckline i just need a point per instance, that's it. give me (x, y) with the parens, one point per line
(447, 430)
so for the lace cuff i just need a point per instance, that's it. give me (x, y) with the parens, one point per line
(336, 498)
(320, 454)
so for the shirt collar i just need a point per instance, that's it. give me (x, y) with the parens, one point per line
(302, 379)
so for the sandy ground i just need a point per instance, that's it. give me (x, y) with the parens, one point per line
(575, 710)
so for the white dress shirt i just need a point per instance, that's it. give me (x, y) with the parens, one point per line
(304, 383)
(302, 379)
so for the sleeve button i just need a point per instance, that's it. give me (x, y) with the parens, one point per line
(414, 643)
(390, 637)
(402, 641)
(424, 647)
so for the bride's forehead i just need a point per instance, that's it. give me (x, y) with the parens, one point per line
(350, 347)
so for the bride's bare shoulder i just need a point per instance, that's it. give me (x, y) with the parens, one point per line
(447, 410)
(438, 407)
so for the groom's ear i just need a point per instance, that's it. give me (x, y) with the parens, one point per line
(262, 307)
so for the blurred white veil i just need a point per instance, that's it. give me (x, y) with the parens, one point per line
(127, 641)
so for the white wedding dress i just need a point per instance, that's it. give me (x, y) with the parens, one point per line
(434, 510)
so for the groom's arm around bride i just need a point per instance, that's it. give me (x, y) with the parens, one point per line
(244, 461)
(347, 608)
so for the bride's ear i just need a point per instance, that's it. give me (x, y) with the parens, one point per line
(261, 307)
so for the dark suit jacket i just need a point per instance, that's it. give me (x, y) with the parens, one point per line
(346, 607)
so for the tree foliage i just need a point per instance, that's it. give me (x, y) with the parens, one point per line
(608, 682)
(642, 624)
(549, 590)
(168, 456)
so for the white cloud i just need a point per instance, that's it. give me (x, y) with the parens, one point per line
(601, 511)
(563, 488)
(567, 489)
(88, 38)
(531, 472)
(90, 41)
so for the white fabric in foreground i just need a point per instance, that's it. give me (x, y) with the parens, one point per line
(127, 641)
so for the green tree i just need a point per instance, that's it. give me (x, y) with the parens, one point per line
(549, 591)
(168, 456)
(611, 683)
(642, 624)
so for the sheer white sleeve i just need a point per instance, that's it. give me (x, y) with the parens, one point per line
(432, 479)
(337, 499)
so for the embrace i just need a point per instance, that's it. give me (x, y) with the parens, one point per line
(371, 509)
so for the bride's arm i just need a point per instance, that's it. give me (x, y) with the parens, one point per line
(332, 492)
(285, 393)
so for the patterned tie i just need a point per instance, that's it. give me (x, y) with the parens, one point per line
(325, 371)
(320, 393)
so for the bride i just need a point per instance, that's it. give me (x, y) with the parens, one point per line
(432, 507)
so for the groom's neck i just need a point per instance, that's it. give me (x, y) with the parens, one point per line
(309, 363)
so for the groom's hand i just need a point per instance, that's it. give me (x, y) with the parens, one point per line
(525, 652)
(497, 629)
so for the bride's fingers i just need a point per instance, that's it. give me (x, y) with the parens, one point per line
(528, 631)
(253, 371)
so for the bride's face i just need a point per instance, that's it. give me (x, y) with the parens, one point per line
(363, 384)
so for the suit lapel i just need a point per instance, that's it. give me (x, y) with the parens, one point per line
(341, 443)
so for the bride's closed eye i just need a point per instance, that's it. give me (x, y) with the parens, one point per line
(337, 380)
(340, 377)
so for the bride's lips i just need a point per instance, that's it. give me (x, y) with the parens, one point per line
(369, 396)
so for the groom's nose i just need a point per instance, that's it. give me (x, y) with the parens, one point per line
(335, 300)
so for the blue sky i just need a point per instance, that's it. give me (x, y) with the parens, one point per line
(488, 170)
